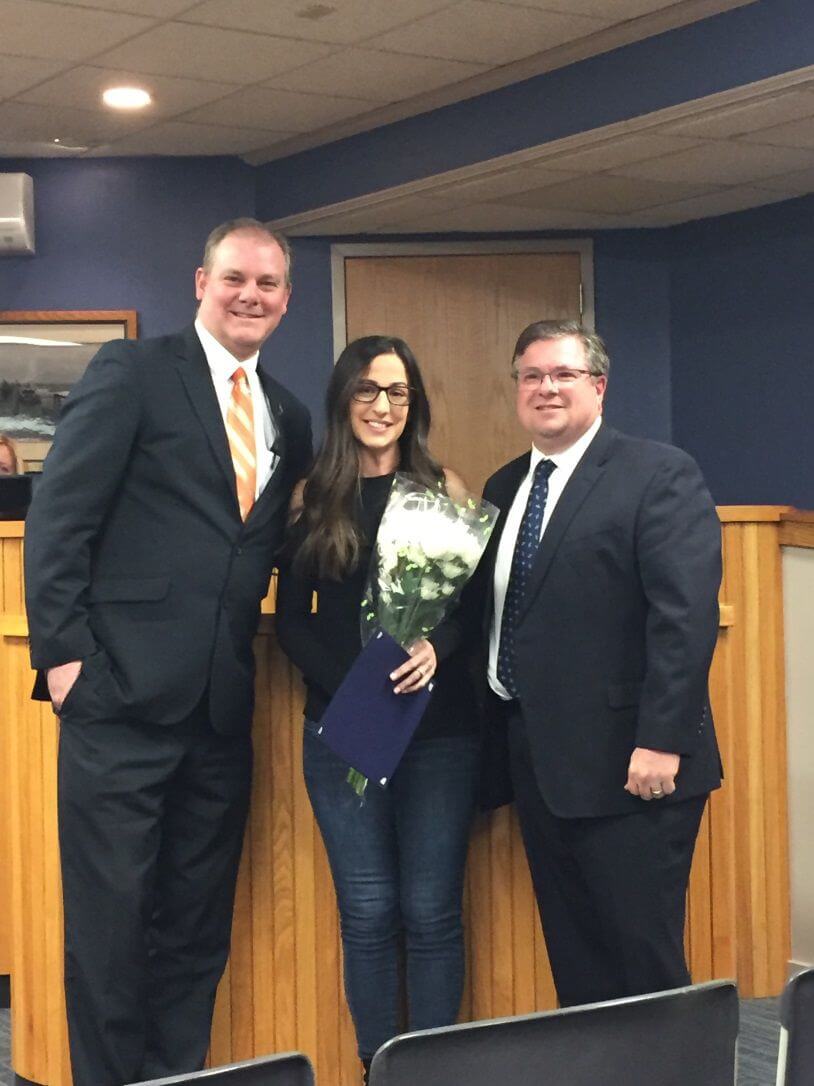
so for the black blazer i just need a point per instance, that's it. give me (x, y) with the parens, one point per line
(136, 559)
(616, 636)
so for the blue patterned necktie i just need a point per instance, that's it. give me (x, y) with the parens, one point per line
(528, 540)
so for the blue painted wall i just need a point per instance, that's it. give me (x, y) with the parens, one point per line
(742, 335)
(123, 234)
(129, 233)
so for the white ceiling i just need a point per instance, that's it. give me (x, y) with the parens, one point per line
(263, 78)
(724, 153)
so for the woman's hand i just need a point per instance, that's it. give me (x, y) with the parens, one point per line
(417, 671)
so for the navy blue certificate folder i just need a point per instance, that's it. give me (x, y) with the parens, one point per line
(366, 724)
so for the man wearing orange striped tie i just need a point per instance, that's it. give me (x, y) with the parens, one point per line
(149, 546)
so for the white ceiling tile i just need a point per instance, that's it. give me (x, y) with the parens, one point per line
(377, 77)
(611, 11)
(82, 87)
(742, 117)
(704, 207)
(201, 52)
(10, 148)
(485, 33)
(179, 138)
(487, 216)
(279, 110)
(792, 134)
(339, 21)
(720, 163)
(35, 29)
(617, 151)
(496, 186)
(604, 194)
(798, 183)
(344, 222)
(75, 127)
(160, 9)
(19, 73)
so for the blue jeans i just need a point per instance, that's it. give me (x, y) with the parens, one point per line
(398, 864)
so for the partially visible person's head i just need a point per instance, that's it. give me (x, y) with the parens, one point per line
(561, 372)
(357, 431)
(243, 285)
(10, 462)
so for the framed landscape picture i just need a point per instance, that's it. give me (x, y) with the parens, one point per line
(42, 354)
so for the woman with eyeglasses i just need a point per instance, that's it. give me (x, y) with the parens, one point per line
(398, 857)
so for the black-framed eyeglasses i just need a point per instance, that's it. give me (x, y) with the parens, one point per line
(564, 377)
(398, 393)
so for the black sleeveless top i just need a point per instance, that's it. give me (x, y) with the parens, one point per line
(323, 645)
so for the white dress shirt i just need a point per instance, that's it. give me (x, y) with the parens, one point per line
(222, 365)
(565, 462)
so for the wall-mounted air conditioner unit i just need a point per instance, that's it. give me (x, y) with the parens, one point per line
(16, 214)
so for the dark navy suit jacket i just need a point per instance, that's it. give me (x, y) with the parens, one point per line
(619, 624)
(136, 558)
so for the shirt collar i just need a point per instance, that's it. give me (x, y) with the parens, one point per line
(570, 457)
(223, 363)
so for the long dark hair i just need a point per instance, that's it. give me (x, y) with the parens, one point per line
(328, 535)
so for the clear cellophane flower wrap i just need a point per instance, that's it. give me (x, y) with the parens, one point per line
(427, 548)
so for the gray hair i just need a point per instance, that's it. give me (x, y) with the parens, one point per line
(596, 354)
(245, 226)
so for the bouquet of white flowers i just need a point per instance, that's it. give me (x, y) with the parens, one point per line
(427, 547)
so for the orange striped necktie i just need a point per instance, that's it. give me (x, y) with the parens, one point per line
(240, 432)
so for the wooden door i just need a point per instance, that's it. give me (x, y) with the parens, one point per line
(461, 316)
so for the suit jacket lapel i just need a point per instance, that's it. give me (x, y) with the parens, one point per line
(503, 499)
(277, 412)
(194, 371)
(586, 474)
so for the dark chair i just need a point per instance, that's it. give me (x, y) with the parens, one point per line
(287, 1069)
(795, 1062)
(683, 1037)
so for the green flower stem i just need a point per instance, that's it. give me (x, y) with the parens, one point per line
(357, 781)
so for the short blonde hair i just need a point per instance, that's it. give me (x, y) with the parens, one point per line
(245, 226)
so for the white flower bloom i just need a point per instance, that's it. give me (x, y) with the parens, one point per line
(429, 589)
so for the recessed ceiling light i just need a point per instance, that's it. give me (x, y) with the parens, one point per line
(126, 97)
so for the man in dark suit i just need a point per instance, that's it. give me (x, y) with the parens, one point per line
(604, 619)
(149, 546)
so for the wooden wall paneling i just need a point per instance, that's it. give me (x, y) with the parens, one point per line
(797, 528)
(699, 907)
(722, 816)
(477, 998)
(10, 603)
(757, 780)
(754, 737)
(502, 935)
(283, 986)
(524, 924)
(259, 857)
(39, 1031)
(775, 772)
(280, 797)
(306, 916)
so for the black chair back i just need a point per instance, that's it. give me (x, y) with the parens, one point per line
(286, 1069)
(796, 1058)
(675, 1038)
